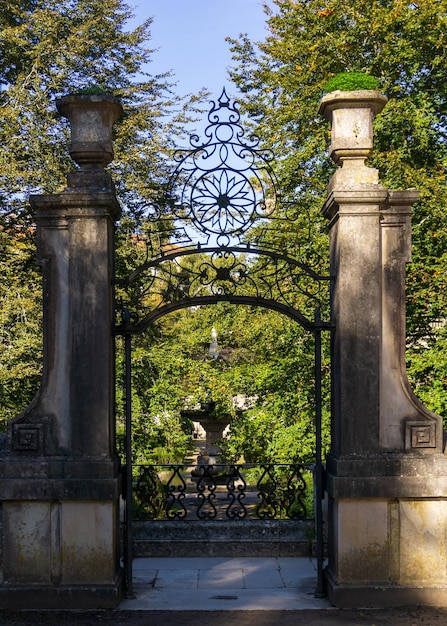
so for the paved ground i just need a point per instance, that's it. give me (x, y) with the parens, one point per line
(227, 592)
(318, 617)
(219, 583)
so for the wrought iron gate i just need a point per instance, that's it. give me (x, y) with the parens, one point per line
(221, 206)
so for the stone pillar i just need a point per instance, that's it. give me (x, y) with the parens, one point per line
(386, 471)
(60, 482)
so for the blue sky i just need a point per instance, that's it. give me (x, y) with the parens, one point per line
(190, 35)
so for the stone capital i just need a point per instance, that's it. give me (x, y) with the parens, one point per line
(354, 202)
(80, 204)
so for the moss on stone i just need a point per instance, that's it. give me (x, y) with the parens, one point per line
(351, 81)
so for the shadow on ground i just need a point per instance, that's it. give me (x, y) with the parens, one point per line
(336, 617)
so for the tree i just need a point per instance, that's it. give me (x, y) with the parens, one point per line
(53, 48)
(403, 44)
(265, 360)
(48, 49)
(20, 325)
(427, 361)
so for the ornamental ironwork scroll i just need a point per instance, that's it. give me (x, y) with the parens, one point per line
(212, 239)
(227, 183)
(223, 185)
(233, 492)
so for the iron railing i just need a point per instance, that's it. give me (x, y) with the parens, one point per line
(230, 491)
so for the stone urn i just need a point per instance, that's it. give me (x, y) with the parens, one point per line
(351, 114)
(91, 118)
(214, 427)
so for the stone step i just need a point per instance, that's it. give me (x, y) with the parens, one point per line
(224, 538)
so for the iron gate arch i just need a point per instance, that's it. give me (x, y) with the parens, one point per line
(213, 240)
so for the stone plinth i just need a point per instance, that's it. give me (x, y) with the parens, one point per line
(387, 530)
(224, 538)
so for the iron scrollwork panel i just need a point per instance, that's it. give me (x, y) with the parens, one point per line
(296, 490)
(223, 183)
(222, 492)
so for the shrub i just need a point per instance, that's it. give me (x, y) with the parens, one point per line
(94, 90)
(351, 81)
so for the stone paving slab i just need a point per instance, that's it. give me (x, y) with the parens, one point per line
(229, 584)
(256, 579)
(173, 580)
(228, 599)
(221, 579)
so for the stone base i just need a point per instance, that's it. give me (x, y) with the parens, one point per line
(82, 597)
(387, 552)
(61, 554)
(377, 596)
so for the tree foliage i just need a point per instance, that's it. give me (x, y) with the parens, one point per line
(263, 380)
(404, 45)
(20, 325)
(48, 49)
(427, 362)
(51, 49)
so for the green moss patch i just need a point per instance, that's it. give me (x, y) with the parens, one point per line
(351, 81)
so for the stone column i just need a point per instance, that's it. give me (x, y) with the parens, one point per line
(60, 481)
(386, 472)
